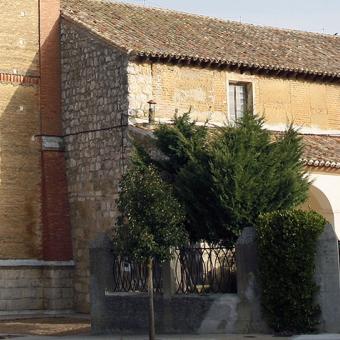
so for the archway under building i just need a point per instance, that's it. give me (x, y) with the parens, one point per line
(318, 202)
(324, 197)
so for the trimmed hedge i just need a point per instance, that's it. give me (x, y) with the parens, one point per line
(287, 245)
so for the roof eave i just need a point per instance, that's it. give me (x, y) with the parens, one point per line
(241, 66)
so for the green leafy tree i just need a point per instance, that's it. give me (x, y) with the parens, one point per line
(226, 177)
(151, 221)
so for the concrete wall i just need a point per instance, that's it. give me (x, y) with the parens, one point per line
(94, 106)
(311, 105)
(180, 314)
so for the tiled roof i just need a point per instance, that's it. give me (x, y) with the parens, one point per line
(158, 33)
(322, 151)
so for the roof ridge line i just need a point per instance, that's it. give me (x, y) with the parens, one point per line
(168, 10)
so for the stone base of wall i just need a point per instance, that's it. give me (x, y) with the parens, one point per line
(214, 314)
(202, 314)
(35, 288)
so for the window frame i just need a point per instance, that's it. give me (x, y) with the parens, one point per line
(249, 97)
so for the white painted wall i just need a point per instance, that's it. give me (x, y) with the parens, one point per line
(329, 185)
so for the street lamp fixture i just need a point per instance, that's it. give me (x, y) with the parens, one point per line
(152, 111)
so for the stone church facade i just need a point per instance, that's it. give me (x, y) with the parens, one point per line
(74, 93)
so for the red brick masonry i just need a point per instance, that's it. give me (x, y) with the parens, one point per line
(56, 226)
(18, 79)
(57, 244)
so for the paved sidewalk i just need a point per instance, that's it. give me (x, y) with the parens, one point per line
(160, 337)
(189, 337)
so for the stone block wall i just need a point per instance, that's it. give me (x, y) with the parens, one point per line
(35, 288)
(94, 110)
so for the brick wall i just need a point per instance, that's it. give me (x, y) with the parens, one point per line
(94, 110)
(50, 99)
(19, 36)
(20, 165)
(57, 233)
(55, 210)
(33, 209)
(20, 172)
(309, 104)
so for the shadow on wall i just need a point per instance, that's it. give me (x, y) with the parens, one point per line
(20, 168)
(319, 202)
(25, 115)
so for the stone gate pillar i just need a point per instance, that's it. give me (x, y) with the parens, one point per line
(327, 278)
(101, 280)
(248, 287)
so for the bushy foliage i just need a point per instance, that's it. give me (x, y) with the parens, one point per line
(151, 217)
(180, 142)
(227, 176)
(287, 246)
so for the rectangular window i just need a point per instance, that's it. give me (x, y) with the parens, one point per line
(239, 100)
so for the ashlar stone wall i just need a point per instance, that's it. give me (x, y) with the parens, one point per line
(94, 110)
(35, 286)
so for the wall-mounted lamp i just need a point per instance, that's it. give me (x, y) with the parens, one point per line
(152, 111)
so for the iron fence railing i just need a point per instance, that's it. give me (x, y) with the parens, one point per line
(197, 269)
(129, 276)
(205, 269)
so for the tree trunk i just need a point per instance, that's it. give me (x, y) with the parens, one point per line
(151, 306)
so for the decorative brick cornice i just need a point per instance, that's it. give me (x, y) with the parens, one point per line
(18, 79)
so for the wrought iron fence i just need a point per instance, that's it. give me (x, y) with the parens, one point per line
(205, 269)
(198, 269)
(129, 276)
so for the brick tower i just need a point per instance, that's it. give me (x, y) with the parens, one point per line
(35, 237)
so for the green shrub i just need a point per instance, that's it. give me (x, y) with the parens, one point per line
(287, 246)
(225, 177)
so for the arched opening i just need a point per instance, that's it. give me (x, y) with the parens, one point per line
(318, 202)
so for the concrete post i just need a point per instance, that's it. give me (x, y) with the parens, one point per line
(169, 278)
(248, 289)
(327, 278)
(101, 279)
